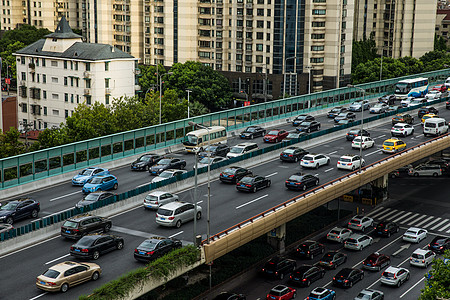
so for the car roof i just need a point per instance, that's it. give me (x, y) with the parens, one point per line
(173, 205)
(104, 176)
(157, 193)
(244, 144)
(392, 140)
(64, 266)
(20, 200)
(319, 290)
(414, 229)
(80, 217)
(400, 124)
(392, 269)
(338, 228)
(348, 155)
(279, 287)
(421, 251)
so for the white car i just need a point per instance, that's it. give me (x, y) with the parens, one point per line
(366, 143)
(379, 108)
(356, 106)
(405, 102)
(433, 95)
(422, 258)
(339, 234)
(402, 129)
(360, 223)
(415, 102)
(350, 162)
(157, 198)
(314, 160)
(167, 174)
(358, 241)
(211, 160)
(414, 235)
(394, 276)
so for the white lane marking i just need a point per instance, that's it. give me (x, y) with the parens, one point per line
(432, 222)
(407, 259)
(143, 185)
(132, 231)
(328, 170)
(332, 152)
(254, 200)
(285, 167)
(375, 210)
(272, 174)
(38, 296)
(439, 224)
(199, 202)
(328, 284)
(376, 151)
(396, 215)
(416, 220)
(388, 214)
(49, 262)
(380, 212)
(404, 216)
(412, 287)
(373, 284)
(380, 136)
(25, 248)
(171, 236)
(385, 246)
(410, 218)
(60, 197)
(443, 228)
(420, 135)
(424, 221)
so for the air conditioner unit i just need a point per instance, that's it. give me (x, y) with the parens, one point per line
(87, 91)
(107, 91)
(248, 5)
(87, 74)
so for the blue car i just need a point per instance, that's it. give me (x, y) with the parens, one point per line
(101, 183)
(322, 294)
(87, 174)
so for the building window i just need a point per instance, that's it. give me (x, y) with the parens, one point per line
(24, 76)
(106, 82)
(259, 58)
(88, 66)
(260, 12)
(317, 48)
(203, 54)
(88, 83)
(54, 63)
(44, 94)
(107, 98)
(318, 24)
(316, 60)
(55, 96)
(88, 100)
(65, 64)
(317, 36)
(44, 78)
(66, 113)
(55, 112)
(248, 58)
(65, 81)
(239, 57)
(66, 97)
(76, 66)
(319, 12)
(259, 47)
(106, 65)
(55, 79)
(45, 110)
(43, 62)
(238, 68)
(259, 24)
(24, 107)
(259, 35)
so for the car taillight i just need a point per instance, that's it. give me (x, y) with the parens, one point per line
(150, 252)
(171, 218)
(135, 250)
(71, 248)
(346, 280)
(156, 202)
(221, 174)
(440, 247)
(290, 155)
(338, 237)
(75, 230)
(311, 161)
(231, 176)
(298, 183)
(385, 230)
(287, 181)
(423, 260)
(248, 185)
(334, 278)
(51, 283)
(359, 225)
(85, 250)
(304, 279)
(290, 277)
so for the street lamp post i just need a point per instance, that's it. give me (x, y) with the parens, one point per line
(160, 98)
(188, 91)
(381, 66)
(284, 83)
(309, 85)
(362, 122)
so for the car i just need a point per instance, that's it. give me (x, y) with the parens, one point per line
(308, 126)
(402, 129)
(278, 267)
(415, 235)
(443, 163)
(416, 102)
(404, 170)
(447, 105)
(362, 141)
(144, 162)
(387, 99)
(302, 118)
(333, 259)
(360, 222)
(300, 181)
(343, 122)
(157, 198)
(252, 131)
(402, 118)
(393, 108)
(422, 257)
(405, 102)
(88, 173)
(426, 170)
(387, 228)
(356, 132)
(335, 111)
(440, 88)
(306, 274)
(93, 245)
(100, 183)
(295, 135)
(339, 234)
(252, 183)
(19, 209)
(378, 108)
(439, 244)
(321, 293)
(233, 174)
(314, 160)
(347, 277)
(345, 116)
(5, 227)
(394, 276)
(309, 249)
(358, 242)
(428, 116)
(293, 154)
(166, 163)
(281, 292)
(93, 198)
(230, 296)
(67, 274)
(80, 225)
(394, 174)
(356, 106)
(167, 174)
(393, 145)
(435, 126)
(275, 136)
(433, 95)
(205, 161)
(376, 261)
(155, 247)
(214, 150)
(174, 214)
(427, 110)
(242, 149)
(350, 162)
(369, 294)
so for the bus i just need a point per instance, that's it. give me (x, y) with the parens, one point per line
(197, 139)
(417, 87)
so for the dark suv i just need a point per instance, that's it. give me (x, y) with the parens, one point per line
(310, 249)
(278, 267)
(387, 228)
(78, 226)
(439, 244)
(427, 110)
(19, 209)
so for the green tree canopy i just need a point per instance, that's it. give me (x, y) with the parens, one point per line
(363, 51)
(10, 144)
(437, 282)
(440, 44)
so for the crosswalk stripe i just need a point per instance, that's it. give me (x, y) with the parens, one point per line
(375, 210)
(388, 214)
(411, 217)
(443, 228)
(432, 222)
(379, 213)
(439, 224)
(404, 216)
(417, 220)
(396, 215)
(424, 221)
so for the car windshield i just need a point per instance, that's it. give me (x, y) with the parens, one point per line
(345, 160)
(191, 140)
(51, 273)
(293, 136)
(229, 171)
(85, 241)
(210, 149)
(411, 232)
(305, 124)
(166, 174)
(151, 197)
(363, 296)
(289, 151)
(250, 129)
(273, 132)
(299, 118)
(415, 101)
(388, 144)
(353, 132)
(388, 274)
(430, 125)
(205, 160)
(86, 172)
(247, 180)
(398, 126)
(296, 178)
(9, 206)
(372, 258)
(145, 158)
(416, 255)
(95, 180)
(379, 105)
(342, 115)
(307, 157)
(164, 212)
(164, 161)
(432, 92)
(401, 88)
(335, 110)
(237, 150)
(353, 241)
(357, 139)
(70, 224)
(328, 257)
(91, 197)
(149, 244)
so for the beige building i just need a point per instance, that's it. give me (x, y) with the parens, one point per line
(443, 24)
(401, 28)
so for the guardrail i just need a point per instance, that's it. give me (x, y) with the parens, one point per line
(54, 161)
(49, 220)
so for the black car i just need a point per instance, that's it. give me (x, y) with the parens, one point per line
(447, 105)
(439, 244)
(92, 245)
(294, 135)
(306, 274)
(309, 249)
(93, 197)
(229, 296)
(427, 110)
(308, 126)
(278, 267)
(300, 181)
(167, 163)
(388, 99)
(356, 132)
(347, 277)
(332, 259)
(155, 247)
(335, 111)
(294, 154)
(345, 116)
(233, 174)
(144, 162)
(252, 132)
(215, 150)
(252, 183)
(19, 209)
(444, 164)
(387, 228)
(80, 225)
(302, 118)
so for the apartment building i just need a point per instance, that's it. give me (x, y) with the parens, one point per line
(443, 24)
(400, 28)
(57, 73)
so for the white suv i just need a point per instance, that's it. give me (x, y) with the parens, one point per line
(360, 223)
(422, 258)
(358, 242)
(394, 276)
(339, 234)
(350, 162)
(241, 149)
(313, 160)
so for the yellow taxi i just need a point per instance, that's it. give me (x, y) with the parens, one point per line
(393, 145)
(428, 116)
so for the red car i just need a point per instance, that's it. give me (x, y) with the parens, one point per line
(281, 292)
(275, 136)
(440, 87)
(376, 261)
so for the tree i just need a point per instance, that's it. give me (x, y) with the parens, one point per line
(172, 108)
(440, 44)
(9, 60)
(149, 80)
(10, 144)
(437, 282)
(26, 34)
(363, 51)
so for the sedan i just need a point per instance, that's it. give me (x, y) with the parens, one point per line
(293, 154)
(439, 244)
(333, 259)
(100, 183)
(19, 209)
(167, 174)
(360, 222)
(356, 132)
(215, 150)
(347, 277)
(87, 174)
(402, 118)
(308, 126)
(314, 160)
(358, 242)
(387, 99)
(363, 142)
(204, 162)
(302, 118)
(402, 129)
(416, 102)
(405, 102)
(155, 247)
(440, 88)
(427, 110)
(414, 235)
(387, 228)
(157, 198)
(394, 276)
(345, 116)
(295, 135)
(369, 294)
(275, 136)
(433, 95)
(252, 183)
(252, 132)
(336, 111)
(379, 108)
(357, 105)
(92, 245)
(145, 161)
(93, 198)
(167, 163)
(233, 174)
(300, 181)
(306, 274)
(376, 261)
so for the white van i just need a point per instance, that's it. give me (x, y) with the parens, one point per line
(435, 126)
(447, 82)
(241, 149)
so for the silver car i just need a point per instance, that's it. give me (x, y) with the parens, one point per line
(426, 170)
(358, 242)
(158, 198)
(394, 276)
(369, 294)
(209, 160)
(167, 174)
(176, 213)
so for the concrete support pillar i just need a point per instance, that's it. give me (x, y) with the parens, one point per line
(276, 238)
(380, 188)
